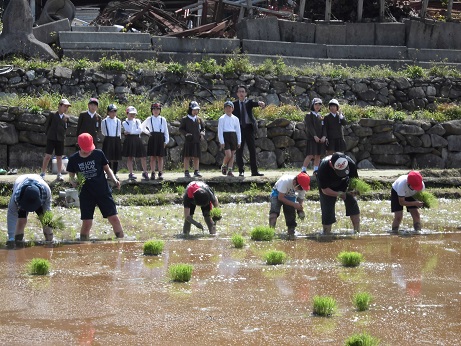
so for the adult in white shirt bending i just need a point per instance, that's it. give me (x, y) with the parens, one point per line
(229, 136)
(403, 190)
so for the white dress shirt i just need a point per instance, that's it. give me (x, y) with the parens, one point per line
(156, 124)
(228, 123)
(111, 127)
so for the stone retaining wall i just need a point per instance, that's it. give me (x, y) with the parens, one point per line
(281, 143)
(399, 92)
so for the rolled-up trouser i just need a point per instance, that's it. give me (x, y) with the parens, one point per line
(288, 211)
(327, 204)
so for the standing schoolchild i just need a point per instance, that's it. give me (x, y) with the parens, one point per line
(159, 137)
(133, 146)
(316, 135)
(403, 190)
(92, 164)
(111, 128)
(55, 130)
(193, 128)
(334, 123)
(229, 136)
(90, 121)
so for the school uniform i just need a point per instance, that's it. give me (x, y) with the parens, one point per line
(89, 123)
(159, 136)
(55, 130)
(314, 128)
(229, 132)
(195, 127)
(334, 130)
(133, 146)
(112, 144)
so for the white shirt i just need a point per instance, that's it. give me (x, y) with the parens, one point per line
(132, 126)
(401, 187)
(194, 118)
(285, 186)
(91, 114)
(156, 124)
(228, 123)
(111, 127)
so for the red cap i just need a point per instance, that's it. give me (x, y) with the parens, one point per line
(415, 180)
(85, 142)
(304, 180)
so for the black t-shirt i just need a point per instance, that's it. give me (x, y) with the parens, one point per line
(92, 168)
(189, 201)
(327, 178)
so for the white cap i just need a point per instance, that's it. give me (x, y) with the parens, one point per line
(334, 102)
(65, 102)
(131, 109)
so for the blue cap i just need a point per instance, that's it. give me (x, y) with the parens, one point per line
(228, 103)
(29, 198)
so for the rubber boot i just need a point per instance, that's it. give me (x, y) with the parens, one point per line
(48, 233)
(186, 228)
(211, 225)
(272, 221)
(417, 228)
(291, 233)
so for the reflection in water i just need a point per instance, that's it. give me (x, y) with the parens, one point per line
(107, 293)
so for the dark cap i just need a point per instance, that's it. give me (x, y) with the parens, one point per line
(111, 107)
(340, 164)
(29, 198)
(156, 105)
(94, 100)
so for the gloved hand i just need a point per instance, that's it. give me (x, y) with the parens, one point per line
(301, 214)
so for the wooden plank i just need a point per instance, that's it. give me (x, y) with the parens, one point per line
(193, 31)
(359, 10)
(302, 6)
(328, 11)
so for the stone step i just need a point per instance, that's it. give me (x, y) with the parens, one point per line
(106, 45)
(201, 45)
(99, 37)
(95, 54)
(91, 28)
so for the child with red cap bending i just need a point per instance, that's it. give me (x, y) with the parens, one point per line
(403, 190)
(199, 194)
(288, 192)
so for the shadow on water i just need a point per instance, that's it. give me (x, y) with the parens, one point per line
(108, 292)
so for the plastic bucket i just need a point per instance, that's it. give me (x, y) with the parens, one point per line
(72, 199)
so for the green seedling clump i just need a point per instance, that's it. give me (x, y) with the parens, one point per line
(359, 185)
(362, 301)
(262, 233)
(362, 339)
(324, 306)
(153, 247)
(238, 241)
(429, 200)
(180, 272)
(38, 266)
(350, 258)
(47, 219)
(80, 181)
(275, 257)
(216, 214)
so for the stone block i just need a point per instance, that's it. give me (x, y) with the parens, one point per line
(330, 34)
(284, 49)
(430, 161)
(3, 155)
(266, 159)
(454, 160)
(390, 34)
(25, 155)
(296, 31)
(195, 45)
(360, 34)
(266, 29)
(48, 33)
(8, 134)
(454, 142)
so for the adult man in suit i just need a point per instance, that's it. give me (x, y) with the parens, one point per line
(243, 109)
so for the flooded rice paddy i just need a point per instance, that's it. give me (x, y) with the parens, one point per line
(109, 293)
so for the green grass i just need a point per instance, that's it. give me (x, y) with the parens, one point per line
(38, 266)
(359, 185)
(180, 272)
(153, 247)
(262, 233)
(362, 339)
(275, 257)
(350, 258)
(428, 199)
(238, 241)
(362, 300)
(324, 306)
(216, 214)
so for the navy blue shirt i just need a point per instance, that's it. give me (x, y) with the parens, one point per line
(92, 168)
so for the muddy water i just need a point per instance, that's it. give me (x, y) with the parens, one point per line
(108, 293)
